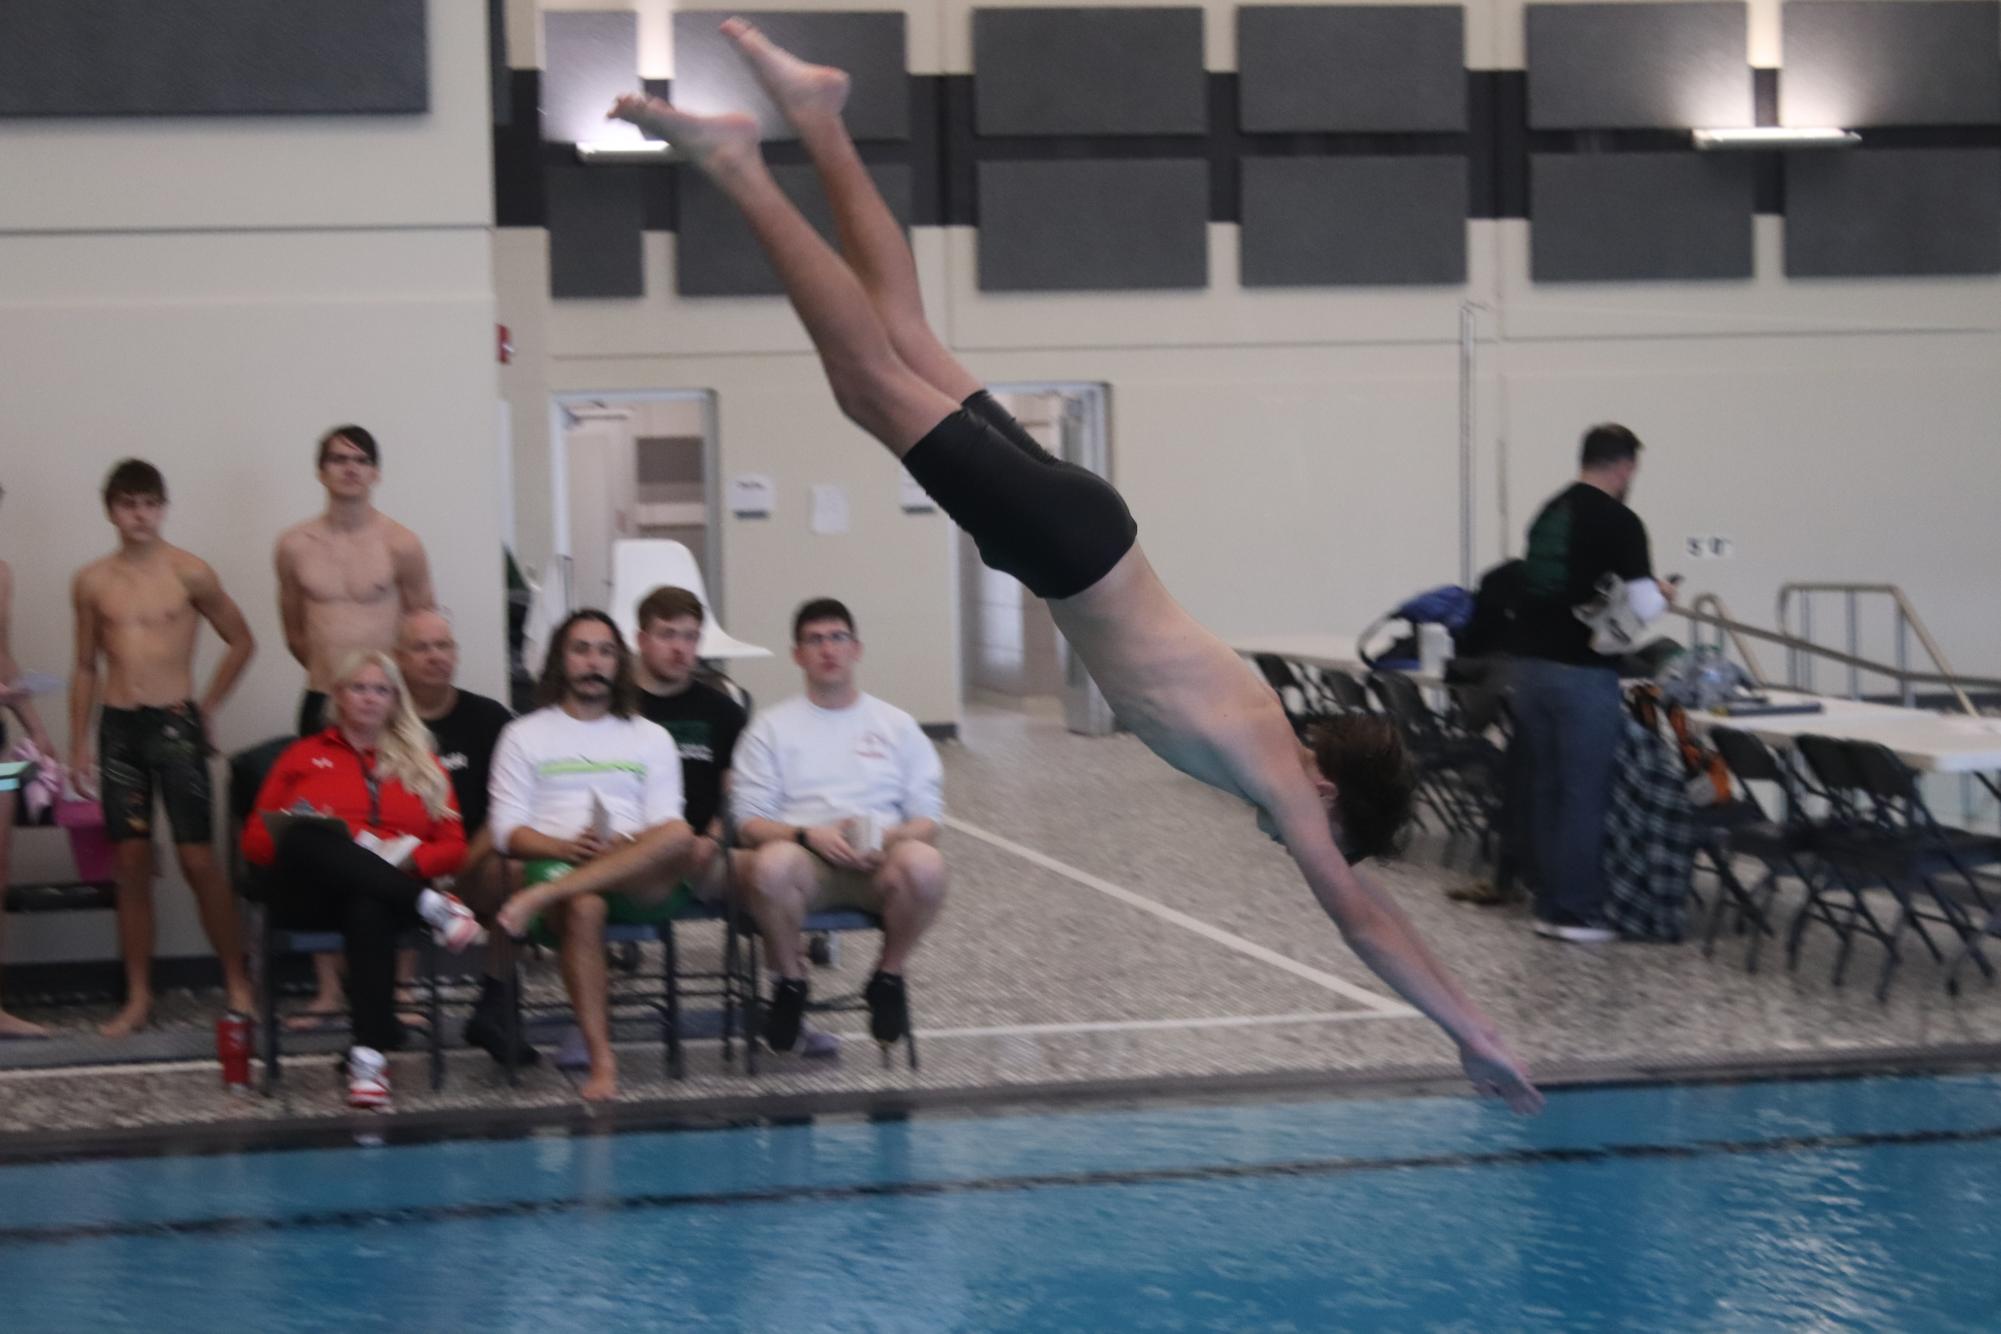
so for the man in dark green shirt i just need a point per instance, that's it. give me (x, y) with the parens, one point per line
(1566, 696)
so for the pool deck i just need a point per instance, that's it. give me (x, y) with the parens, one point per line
(1114, 930)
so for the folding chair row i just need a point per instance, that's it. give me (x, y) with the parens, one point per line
(1461, 765)
(1875, 832)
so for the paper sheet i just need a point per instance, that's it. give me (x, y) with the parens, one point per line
(830, 509)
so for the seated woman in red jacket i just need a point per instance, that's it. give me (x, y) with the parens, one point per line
(373, 770)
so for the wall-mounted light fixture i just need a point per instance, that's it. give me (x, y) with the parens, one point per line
(1775, 136)
(623, 151)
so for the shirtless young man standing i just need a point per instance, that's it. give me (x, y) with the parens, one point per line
(1067, 535)
(19, 702)
(345, 578)
(138, 610)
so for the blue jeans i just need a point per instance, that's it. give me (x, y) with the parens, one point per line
(1569, 721)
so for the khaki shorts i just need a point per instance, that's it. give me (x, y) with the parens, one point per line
(838, 887)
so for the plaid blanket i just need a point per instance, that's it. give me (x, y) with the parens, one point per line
(1649, 840)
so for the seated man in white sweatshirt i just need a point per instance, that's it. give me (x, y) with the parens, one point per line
(588, 794)
(838, 795)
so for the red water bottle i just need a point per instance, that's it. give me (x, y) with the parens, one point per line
(232, 1048)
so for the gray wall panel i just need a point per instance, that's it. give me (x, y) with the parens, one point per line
(708, 76)
(211, 57)
(715, 254)
(1353, 221)
(1636, 217)
(1883, 212)
(1089, 71)
(1638, 66)
(595, 220)
(1351, 67)
(1912, 62)
(1093, 226)
(590, 57)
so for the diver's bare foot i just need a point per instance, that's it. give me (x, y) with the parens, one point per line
(801, 90)
(713, 143)
(136, 1014)
(602, 1086)
(13, 1026)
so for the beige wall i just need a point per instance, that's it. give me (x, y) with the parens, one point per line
(211, 295)
(1292, 455)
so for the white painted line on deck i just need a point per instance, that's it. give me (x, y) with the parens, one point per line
(1379, 1005)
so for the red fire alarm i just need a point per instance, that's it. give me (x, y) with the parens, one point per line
(506, 344)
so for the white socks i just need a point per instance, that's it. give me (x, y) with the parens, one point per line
(433, 907)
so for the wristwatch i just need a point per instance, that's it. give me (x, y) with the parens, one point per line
(799, 836)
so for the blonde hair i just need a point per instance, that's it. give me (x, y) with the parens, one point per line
(406, 752)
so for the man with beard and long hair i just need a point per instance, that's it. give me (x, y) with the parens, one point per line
(577, 783)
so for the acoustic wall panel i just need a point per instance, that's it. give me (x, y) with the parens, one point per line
(1353, 221)
(1881, 212)
(212, 57)
(1911, 62)
(1639, 217)
(1089, 71)
(715, 254)
(1351, 67)
(1638, 66)
(869, 45)
(1082, 226)
(596, 217)
(591, 56)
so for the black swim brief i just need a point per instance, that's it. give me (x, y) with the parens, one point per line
(143, 750)
(1055, 526)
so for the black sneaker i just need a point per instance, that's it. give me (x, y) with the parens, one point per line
(487, 1028)
(785, 1014)
(888, 1007)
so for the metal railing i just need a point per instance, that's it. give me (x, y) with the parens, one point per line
(1908, 623)
(1739, 632)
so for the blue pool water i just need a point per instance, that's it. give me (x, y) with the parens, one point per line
(1850, 1204)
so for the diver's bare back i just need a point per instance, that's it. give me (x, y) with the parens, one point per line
(349, 583)
(146, 621)
(1175, 685)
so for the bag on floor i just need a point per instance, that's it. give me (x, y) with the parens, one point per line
(1649, 840)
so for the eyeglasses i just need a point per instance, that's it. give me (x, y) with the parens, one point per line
(837, 638)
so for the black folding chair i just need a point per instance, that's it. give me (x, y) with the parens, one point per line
(1343, 691)
(1920, 851)
(1438, 755)
(1294, 693)
(1741, 827)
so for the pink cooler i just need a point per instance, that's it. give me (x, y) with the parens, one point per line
(87, 841)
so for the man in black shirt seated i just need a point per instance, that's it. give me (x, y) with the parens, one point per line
(704, 722)
(1567, 703)
(465, 726)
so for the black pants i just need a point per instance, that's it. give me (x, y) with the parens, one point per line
(329, 884)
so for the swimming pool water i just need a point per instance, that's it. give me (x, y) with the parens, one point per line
(1856, 1204)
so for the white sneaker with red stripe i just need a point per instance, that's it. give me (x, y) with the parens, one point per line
(367, 1079)
(454, 927)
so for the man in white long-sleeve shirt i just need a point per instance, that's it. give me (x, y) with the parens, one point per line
(838, 795)
(588, 794)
